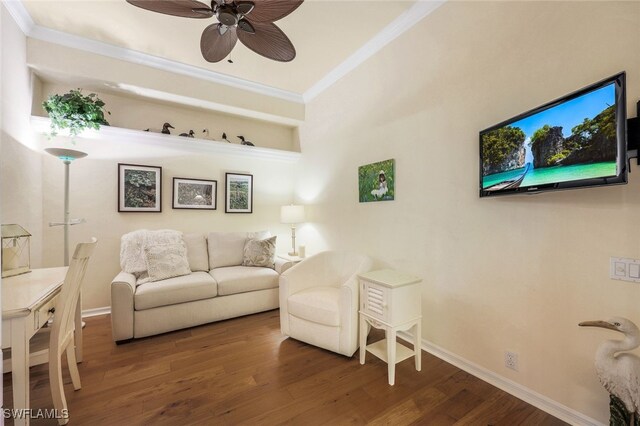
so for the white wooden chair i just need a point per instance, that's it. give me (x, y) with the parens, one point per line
(61, 338)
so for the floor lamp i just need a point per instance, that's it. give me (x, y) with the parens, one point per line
(67, 156)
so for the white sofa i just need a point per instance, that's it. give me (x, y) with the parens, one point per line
(218, 288)
(319, 300)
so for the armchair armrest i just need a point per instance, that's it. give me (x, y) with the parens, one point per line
(123, 287)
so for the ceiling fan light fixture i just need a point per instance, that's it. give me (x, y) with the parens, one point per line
(246, 26)
(244, 7)
(226, 16)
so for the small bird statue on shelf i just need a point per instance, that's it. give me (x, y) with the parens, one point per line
(224, 137)
(619, 372)
(166, 127)
(206, 133)
(191, 134)
(243, 141)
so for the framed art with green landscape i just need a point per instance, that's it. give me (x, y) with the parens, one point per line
(197, 194)
(139, 188)
(376, 181)
(238, 193)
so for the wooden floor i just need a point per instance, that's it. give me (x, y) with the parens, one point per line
(243, 371)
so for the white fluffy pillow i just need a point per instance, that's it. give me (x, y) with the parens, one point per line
(166, 261)
(260, 253)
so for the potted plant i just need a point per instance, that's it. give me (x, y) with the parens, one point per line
(75, 112)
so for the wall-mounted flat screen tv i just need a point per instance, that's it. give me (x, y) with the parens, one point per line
(576, 141)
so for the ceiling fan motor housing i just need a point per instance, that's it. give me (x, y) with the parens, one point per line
(226, 16)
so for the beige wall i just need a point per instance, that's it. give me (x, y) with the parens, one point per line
(21, 177)
(136, 78)
(33, 183)
(94, 197)
(131, 112)
(516, 273)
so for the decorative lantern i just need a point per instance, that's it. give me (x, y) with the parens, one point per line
(16, 250)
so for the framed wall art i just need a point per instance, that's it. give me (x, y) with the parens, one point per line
(139, 188)
(376, 181)
(238, 193)
(197, 194)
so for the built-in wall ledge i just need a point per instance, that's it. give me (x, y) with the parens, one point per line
(118, 143)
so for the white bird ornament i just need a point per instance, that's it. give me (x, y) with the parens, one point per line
(619, 372)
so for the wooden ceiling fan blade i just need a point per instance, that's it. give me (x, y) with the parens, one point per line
(272, 10)
(183, 8)
(269, 41)
(215, 46)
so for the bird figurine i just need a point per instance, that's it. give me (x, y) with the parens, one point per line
(617, 369)
(166, 127)
(147, 129)
(244, 141)
(224, 137)
(206, 133)
(188, 135)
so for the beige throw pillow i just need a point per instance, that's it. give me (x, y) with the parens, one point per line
(260, 253)
(166, 261)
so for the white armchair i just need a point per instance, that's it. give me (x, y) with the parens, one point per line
(319, 300)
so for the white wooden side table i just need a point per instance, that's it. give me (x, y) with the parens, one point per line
(390, 300)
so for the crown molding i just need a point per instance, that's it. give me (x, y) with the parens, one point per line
(397, 27)
(20, 15)
(30, 29)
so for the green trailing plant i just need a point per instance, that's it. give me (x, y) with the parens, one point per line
(75, 112)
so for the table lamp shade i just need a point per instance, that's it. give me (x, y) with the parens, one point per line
(292, 214)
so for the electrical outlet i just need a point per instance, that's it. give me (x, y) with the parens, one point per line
(511, 360)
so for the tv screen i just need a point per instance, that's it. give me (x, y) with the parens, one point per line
(576, 141)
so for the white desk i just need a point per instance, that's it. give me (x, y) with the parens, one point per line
(27, 302)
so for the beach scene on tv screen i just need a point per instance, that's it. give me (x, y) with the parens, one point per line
(571, 141)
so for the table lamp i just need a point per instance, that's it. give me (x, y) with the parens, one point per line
(292, 215)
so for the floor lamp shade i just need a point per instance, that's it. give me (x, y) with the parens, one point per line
(292, 215)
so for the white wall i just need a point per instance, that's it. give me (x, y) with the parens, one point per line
(21, 177)
(516, 273)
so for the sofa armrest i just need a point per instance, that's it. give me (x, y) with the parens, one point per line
(123, 287)
(282, 265)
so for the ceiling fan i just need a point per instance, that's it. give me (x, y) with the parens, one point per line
(249, 21)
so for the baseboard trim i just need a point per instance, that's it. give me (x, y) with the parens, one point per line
(105, 310)
(532, 397)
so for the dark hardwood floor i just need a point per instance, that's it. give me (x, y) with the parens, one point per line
(243, 371)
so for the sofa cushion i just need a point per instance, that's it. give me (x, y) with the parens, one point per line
(166, 261)
(316, 304)
(226, 248)
(260, 253)
(187, 288)
(240, 279)
(132, 257)
(197, 253)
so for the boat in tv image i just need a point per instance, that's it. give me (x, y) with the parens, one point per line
(576, 141)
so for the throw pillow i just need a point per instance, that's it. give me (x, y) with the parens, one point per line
(166, 261)
(260, 253)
